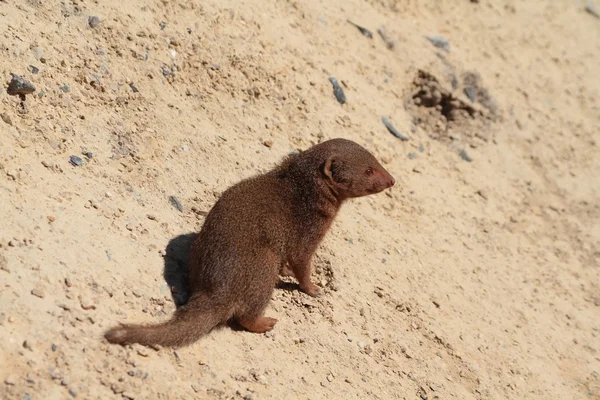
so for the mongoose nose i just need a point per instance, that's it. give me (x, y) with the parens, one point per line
(392, 182)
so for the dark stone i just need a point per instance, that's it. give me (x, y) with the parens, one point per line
(19, 86)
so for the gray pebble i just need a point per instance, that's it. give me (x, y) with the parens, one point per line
(463, 154)
(362, 30)
(65, 88)
(93, 21)
(133, 88)
(423, 396)
(33, 69)
(439, 42)
(88, 154)
(176, 203)
(19, 86)
(73, 392)
(37, 53)
(53, 347)
(392, 129)
(591, 8)
(76, 161)
(471, 93)
(166, 71)
(412, 155)
(338, 92)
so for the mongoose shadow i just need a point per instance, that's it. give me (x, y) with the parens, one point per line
(176, 269)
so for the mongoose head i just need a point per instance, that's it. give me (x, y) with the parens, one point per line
(351, 171)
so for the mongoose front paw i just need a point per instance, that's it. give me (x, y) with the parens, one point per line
(312, 290)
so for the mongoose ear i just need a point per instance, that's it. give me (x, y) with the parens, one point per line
(328, 167)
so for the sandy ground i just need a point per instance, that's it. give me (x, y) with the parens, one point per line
(471, 279)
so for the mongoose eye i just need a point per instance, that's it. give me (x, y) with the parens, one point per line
(369, 171)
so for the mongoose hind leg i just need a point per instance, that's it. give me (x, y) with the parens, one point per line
(258, 325)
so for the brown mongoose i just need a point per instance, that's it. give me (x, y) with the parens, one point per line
(262, 227)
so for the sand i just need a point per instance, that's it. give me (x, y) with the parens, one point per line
(476, 277)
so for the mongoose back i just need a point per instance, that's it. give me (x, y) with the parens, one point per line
(262, 227)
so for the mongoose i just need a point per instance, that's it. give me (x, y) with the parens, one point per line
(262, 227)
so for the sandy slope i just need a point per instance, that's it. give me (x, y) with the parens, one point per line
(468, 280)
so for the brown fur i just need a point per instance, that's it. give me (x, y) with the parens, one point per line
(264, 226)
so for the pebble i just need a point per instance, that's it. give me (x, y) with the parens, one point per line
(423, 396)
(51, 218)
(53, 347)
(128, 395)
(6, 118)
(73, 392)
(34, 69)
(133, 88)
(176, 203)
(412, 155)
(86, 304)
(38, 292)
(392, 129)
(463, 154)
(11, 380)
(76, 161)
(389, 43)
(471, 93)
(93, 21)
(338, 92)
(362, 30)
(89, 154)
(591, 8)
(439, 42)
(151, 217)
(65, 88)
(37, 53)
(19, 86)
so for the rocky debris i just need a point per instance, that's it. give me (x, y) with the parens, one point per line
(19, 86)
(393, 130)
(176, 203)
(463, 154)
(439, 42)
(338, 92)
(76, 161)
(591, 8)
(389, 43)
(430, 93)
(93, 21)
(6, 118)
(38, 291)
(362, 30)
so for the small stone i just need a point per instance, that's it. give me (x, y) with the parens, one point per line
(338, 92)
(19, 86)
(65, 381)
(143, 351)
(330, 377)
(6, 118)
(471, 93)
(93, 21)
(128, 395)
(38, 292)
(33, 69)
(53, 347)
(11, 380)
(65, 88)
(176, 203)
(89, 154)
(133, 88)
(27, 345)
(38, 53)
(412, 155)
(268, 143)
(151, 217)
(423, 396)
(591, 8)
(76, 161)
(439, 42)
(51, 218)
(463, 154)
(73, 392)
(482, 193)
